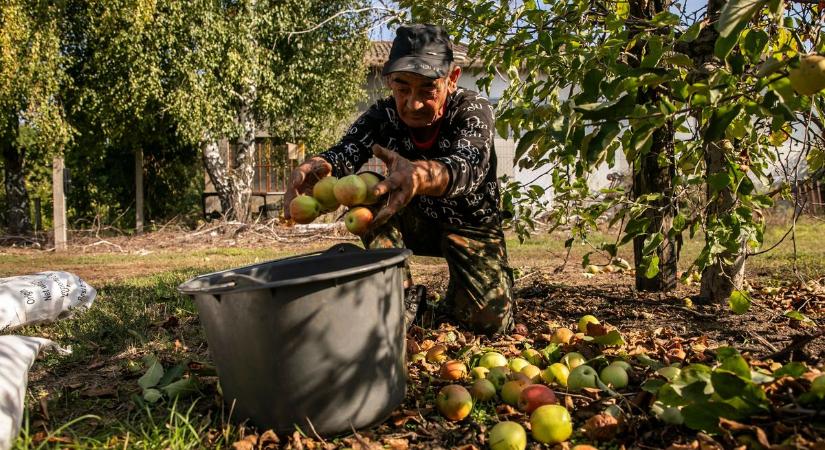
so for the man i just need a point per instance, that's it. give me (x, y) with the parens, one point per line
(441, 193)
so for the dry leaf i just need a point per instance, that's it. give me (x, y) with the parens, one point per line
(601, 427)
(247, 443)
(397, 444)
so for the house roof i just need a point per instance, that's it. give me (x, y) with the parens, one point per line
(379, 51)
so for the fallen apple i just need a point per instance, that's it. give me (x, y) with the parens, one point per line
(592, 268)
(492, 359)
(532, 372)
(483, 390)
(535, 395)
(516, 364)
(358, 220)
(498, 376)
(562, 336)
(669, 372)
(350, 190)
(818, 386)
(437, 353)
(533, 356)
(323, 192)
(370, 180)
(573, 360)
(304, 209)
(623, 364)
(479, 373)
(453, 370)
(454, 402)
(507, 436)
(582, 377)
(585, 320)
(614, 375)
(556, 372)
(511, 391)
(551, 424)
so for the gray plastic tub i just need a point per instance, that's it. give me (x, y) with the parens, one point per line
(315, 340)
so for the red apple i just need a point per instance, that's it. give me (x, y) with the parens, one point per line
(350, 190)
(454, 402)
(535, 395)
(323, 192)
(358, 220)
(304, 209)
(453, 370)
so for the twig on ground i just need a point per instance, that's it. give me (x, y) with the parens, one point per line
(764, 341)
(798, 343)
(317, 436)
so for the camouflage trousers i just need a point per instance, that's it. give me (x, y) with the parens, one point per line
(479, 293)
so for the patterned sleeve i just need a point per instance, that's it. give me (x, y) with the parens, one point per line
(469, 159)
(355, 148)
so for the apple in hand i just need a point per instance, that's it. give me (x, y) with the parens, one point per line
(535, 395)
(358, 220)
(350, 190)
(304, 209)
(507, 436)
(454, 402)
(323, 192)
(582, 377)
(370, 180)
(551, 424)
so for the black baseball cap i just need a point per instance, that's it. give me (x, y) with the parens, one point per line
(420, 48)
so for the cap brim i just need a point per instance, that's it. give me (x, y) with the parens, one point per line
(428, 67)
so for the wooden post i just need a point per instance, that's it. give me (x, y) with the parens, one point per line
(38, 214)
(59, 199)
(139, 191)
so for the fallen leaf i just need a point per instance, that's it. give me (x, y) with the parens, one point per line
(247, 443)
(397, 444)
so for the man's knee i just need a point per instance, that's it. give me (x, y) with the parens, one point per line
(493, 315)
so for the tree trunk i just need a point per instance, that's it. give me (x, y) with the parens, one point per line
(216, 169)
(651, 176)
(17, 196)
(243, 169)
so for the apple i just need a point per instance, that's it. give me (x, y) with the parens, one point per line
(498, 376)
(623, 364)
(535, 395)
(583, 447)
(592, 268)
(416, 357)
(453, 370)
(322, 191)
(483, 390)
(669, 372)
(350, 190)
(557, 372)
(818, 386)
(582, 377)
(370, 180)
(358, 220)
(437, 353)
(516, 364)
(532, 372)
(304, 209)
(492, 359)
(533, 357)
(562, 336)
(573, 360)
(454, 402)
(809, 77)
(511, 390)
(507, 436)
(551, 424)
(614, 375)
(585, 320)
(479, 373)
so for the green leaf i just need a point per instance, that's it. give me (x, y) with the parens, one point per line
(724, 45)
(696, 392)
(732, 361)
(611, 339)
(613, 110)
(736, 13)
(692, 32)
(719, 181)
(653, 385)
(793, 369)
(181, 388)
(739, 302)
(652, 243)
(598, 145)
(152, 376)
(152, 395)
(526, 142)
(754, 44)
(728, 384)
(705, 416)
(719, 121)
(670, 395)
(172, 374)
(651, 266)
(649, 362)
(551, 353)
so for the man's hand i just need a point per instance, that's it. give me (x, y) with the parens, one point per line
(303, 178)
(405, 180)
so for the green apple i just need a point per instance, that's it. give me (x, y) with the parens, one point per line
(479, 373)
(498, 376)
(511, 391)
(483, 390)
(818, 386)
(454, 402)
(370, 180)
(551, 424)
(532, 372)
(623, 364)
(507, 436)
(533, 357)
(516, 364)
(323, 192)
(573, 360)
(557, 372)
(614, 375)
(358, 220)
(492, 359)
(350, 190)
(304, 209)
(582, 377)
(585, 320)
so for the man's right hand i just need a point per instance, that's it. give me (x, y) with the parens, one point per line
(303, 178)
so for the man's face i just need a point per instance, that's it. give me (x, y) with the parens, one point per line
(420, 100)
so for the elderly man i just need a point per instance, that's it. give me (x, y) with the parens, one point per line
(441, 196)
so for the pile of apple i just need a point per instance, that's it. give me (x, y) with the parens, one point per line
(524, 383)
(330, 192)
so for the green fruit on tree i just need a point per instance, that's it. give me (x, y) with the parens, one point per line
(323, 192)
(304, 209)
(483, 390)
(350, 190)
(573, 360)
(551, 424)
(809, 77)
(556, 372)
(511, 391)
(516, 364)
(614, 375)
(492, 359)
(582, 377)
(370, 180)
(358, 220)
(454, 402)
(585, 320)
(507, 436)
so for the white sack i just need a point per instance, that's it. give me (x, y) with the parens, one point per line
(17, 353)
(41, 297)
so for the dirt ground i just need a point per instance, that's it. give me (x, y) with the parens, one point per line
(670, 325)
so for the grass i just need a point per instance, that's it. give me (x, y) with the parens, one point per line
(137, 298)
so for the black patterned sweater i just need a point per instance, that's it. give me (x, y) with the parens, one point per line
(464, 144)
